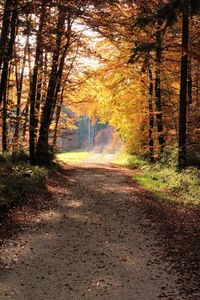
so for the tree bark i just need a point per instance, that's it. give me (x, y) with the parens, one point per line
(9, 51)
(33, 86)
(158, 100)
(19, 86)
(42, 151)
(4, 123)
(61, 67)
(151, 119)
(55, 135)
(183, 88)
(5, 29)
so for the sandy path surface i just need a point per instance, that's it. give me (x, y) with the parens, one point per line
(91, 245)
(99, 158)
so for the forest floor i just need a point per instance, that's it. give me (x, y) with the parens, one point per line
(95, 234)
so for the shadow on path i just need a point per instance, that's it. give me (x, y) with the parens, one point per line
(94, 241)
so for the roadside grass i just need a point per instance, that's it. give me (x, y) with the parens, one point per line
(127, 160)
(164, 180)
(72, 157)
(19, 180)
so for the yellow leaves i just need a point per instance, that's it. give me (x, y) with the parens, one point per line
(113, 92)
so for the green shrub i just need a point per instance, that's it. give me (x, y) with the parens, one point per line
(163, 179)
(169, 157)
(128, 160)
(17, 157)
(168, 182)
(18, 181)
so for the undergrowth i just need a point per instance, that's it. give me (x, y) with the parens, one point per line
(18, 180)
(163, 179)
(127, 160)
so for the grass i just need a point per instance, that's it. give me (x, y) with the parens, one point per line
(72, 157)
(127, 160)
(19, 180)
(164, 180)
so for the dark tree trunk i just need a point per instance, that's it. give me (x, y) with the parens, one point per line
(38, 95)
(25, 123)
(59, 76)
(59, 106)
(4, 124)
(42, 146)
(158, 100)
(151, 119)
(5, 30)
(183, 88)
(26, 109)
(58, 111)
(33, 87)
(189, 80)
(19, 85)
(9, 51)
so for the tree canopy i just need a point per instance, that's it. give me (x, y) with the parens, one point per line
(133, 64)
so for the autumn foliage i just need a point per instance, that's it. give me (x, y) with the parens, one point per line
(132, 64)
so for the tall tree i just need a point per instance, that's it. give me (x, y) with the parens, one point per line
(169, 12)
(42, 146)
(8, 44)
(34, 82)
(158, 99)
(7, 12)
(183, 86)
(19, 75)
(151, 118)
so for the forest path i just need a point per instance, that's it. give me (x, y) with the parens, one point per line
(99, 158)
(93, 244)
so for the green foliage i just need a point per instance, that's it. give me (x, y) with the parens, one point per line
(164, 180)
(167, 182)
(128, 160)
(169, 157)
(15, 158)
(18, 180)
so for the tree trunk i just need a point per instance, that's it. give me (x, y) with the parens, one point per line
(158, 100)
(183, 88)
(5, 29)
(4, 124)
(33, 86)
(58, 111)
(9, 51)
(61, 66)
(59, 106)
(19, 85)
(151, 118)
(38, 95)
(42, 152)
(190, 80)
(26, 109)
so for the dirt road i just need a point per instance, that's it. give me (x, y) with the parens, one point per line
(92, 244)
